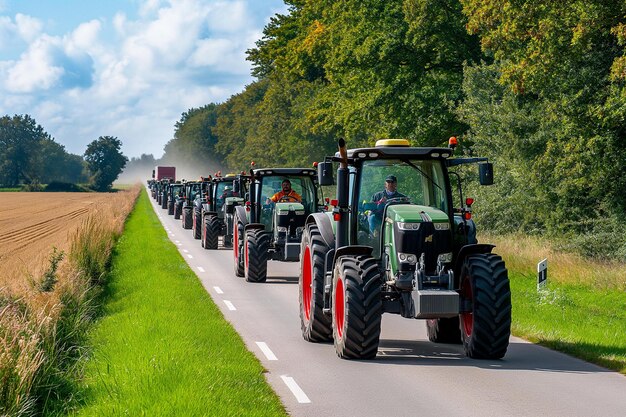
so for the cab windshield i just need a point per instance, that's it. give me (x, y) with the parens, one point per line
(223, 190)
(272, 185)
(415, 181)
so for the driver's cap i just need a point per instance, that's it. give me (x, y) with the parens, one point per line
(391, 178)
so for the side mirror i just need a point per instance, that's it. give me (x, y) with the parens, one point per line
(485, 173)
(325, 173)
(235, 186)
(246, 197)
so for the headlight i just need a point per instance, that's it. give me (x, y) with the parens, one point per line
(442, 226)
(408, 226)
(444, 258)
(408, 258)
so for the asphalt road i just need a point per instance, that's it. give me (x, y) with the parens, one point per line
(410, 376)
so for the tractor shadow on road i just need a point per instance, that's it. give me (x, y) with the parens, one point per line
(281, 280)
(520, 356)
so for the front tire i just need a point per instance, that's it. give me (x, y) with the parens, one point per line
(210, 229)
(357, 307)
(187, 220)
(238, 261)
(314, 324)
(196, 224)
(170, 208)
(255, 247)
(486, 328)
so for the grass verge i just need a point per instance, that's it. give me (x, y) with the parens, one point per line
(581, 312)
(163, 348)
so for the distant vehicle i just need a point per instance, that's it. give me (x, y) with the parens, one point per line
(161, 172)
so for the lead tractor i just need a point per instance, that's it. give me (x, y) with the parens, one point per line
(218, 216)
(267, 230)
(407, 251)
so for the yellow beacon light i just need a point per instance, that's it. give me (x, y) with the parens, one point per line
(392, 142)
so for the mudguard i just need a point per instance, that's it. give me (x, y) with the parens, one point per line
(206, 213)
(241, 214)
(323, 222)
(352, 250)
(468, 250)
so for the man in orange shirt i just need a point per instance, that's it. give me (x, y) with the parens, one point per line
(286, 194)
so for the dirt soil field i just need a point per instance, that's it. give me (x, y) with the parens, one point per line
(32, 223)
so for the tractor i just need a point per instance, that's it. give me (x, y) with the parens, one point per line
(218, 216)
(173, 191)
(268, 230)
(199, 203)
(191, 190)
(407, 250)
(164, 192)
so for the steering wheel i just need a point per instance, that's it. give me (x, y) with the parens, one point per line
(287, 199)
(398, 200)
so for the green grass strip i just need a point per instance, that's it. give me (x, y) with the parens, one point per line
(584, 322)
(163, 348)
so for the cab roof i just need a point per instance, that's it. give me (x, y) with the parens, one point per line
(399, 152)
(285, 171)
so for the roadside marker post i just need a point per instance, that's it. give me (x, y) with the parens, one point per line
(542, 274)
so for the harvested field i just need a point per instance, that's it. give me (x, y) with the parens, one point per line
(32, 223)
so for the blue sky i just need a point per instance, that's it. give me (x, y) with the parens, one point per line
(125, 68)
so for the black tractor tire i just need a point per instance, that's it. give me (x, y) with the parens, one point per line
(238, 241)
(164, 202)
(487, 328)
(177, 210)
(197, 224)
(256, 244)
(314, 324)
(187, 220)
(357, 307)
(170, 208)
(444, 330)
(210, 231)
(158, 198)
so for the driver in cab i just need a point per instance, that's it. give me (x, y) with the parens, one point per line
(380, 198)
(287, 194)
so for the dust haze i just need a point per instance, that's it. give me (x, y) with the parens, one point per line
(140, 169)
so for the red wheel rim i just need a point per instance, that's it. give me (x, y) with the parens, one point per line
(306, 283)
(339, 307)
(467, 318)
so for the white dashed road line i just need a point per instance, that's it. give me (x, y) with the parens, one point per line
(218, 290)
(230, 305)
(201, 269)
(266, 351)
(295, 389)
(185, 250)
(189, 256)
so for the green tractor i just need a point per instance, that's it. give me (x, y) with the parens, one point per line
(199, 204)
(174, 189)
(395, 243)
(164, 192)
(270, 225)
(218, 214)
(191, 191)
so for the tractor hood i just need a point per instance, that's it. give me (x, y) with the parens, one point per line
(283, 209)
(412, 213)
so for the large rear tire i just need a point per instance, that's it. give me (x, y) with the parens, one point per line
(255, 247)
(170, 208)
(315, 325)
(177, 210)
(187, 220)
(164, 201)
(486, 328)
(444, 330)
(210, 230)
(357, 307)
(238, 248)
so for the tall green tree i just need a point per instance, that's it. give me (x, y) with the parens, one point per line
(105, 161)
(21, 139)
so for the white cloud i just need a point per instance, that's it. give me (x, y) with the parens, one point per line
(171, 56)
(28, 27)
(36, 68)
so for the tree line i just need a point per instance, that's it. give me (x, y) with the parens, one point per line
(537, 86)
(30, 156)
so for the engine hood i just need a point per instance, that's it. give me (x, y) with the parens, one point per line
(412, 213)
